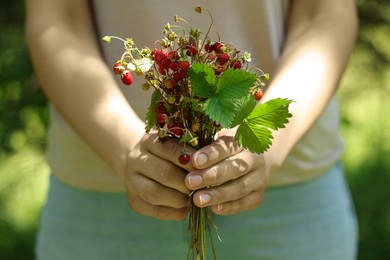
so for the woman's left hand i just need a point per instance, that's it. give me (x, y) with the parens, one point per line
(227, 178)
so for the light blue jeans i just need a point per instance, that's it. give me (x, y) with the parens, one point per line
(313, 220)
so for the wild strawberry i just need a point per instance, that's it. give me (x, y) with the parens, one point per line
(219, 71)
(184, 158)
(209, 47)
(176, 76)
(183, 74)
(211, 57)
(223, 58)
(175, 65)
(165, 63)
(258, 94)
(236, 65)
(162, 71)
(191, 50)
(169, 84)
(161, 109)
(172, 55)
(160, 118)
(159, 56)
(127, 78)
(184, 65)
(218, 46)
(119, 68)
(176, 129)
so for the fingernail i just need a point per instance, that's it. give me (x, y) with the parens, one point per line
(200, 159)
(195, 180)
(204, 199)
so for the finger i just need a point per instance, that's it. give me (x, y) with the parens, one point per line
(162, 171)
(229, 169)
(154, 193)
(170, 150)
(220, 149)
(158, 212)
(230, 191)
(249, 202)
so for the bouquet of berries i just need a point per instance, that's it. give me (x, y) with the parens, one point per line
(200, 87)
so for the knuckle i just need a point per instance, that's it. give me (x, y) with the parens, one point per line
(150, 192)
(242, 188)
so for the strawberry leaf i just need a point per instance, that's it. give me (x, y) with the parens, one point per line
(151, 114)
(235, 84)
(202, 80)
(254, 138)
(254, 132)
(272, 114)
(220, 111)
(243, 107)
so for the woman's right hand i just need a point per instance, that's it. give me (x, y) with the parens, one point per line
(154, 179)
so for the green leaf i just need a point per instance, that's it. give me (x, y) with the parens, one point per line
(220, 111)
(202, 80)
(235, 83)
(254, 138)
(243, 107)
(254, 132)
(151, 115)
(272, 114)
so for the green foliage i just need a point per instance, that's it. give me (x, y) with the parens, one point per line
(151, 114)
(222, 93)
(254, 134)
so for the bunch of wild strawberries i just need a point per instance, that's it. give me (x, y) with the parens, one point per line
(177, 111)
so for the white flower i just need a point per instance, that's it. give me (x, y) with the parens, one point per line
(247, 56)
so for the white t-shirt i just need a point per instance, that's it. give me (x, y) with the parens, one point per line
(256, 26)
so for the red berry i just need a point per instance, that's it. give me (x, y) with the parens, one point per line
(217, 47)
(236, 65)
(258, 94)
(176, 129)
(161, 109)
(211, 57)
(127, 78)
(209, 47)
(159, 56)
(176, 77)
(119, 68)
(160, 118)
(175, 65)
(191, 50)
(162, 71)
(223, 58)
(184, 65)
(184, 158)
(165, 63)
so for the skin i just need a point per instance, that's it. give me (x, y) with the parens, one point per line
(79, 84)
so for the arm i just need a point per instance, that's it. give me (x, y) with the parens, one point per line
(320, 37)
(77, 81)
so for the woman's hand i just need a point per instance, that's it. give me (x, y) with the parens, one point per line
(230, 179)
(154, 179)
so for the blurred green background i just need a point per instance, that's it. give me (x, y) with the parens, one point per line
(365, 104)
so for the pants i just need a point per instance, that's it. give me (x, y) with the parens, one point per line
(311, 220)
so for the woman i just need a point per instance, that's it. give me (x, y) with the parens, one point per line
(98, 151)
